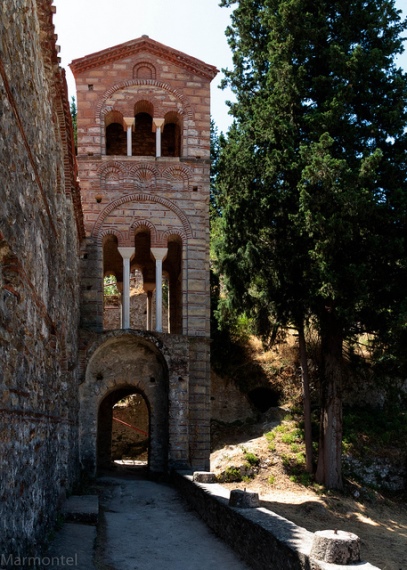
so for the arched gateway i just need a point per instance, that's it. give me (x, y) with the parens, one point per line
(121, 363)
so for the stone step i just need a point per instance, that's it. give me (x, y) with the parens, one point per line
(81, 508)
(73, 545)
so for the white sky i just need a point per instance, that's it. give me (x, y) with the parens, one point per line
(195, 27)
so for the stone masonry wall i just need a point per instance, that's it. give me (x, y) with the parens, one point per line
(39, 313)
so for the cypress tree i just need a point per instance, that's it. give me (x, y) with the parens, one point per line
(313, 178)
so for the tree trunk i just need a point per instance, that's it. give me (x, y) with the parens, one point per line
(306, 399)
(330, 441)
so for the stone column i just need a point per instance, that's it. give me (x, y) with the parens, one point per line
(126, 253)
(158, 125)
(159, 254)
(129, 123)
(148, 289)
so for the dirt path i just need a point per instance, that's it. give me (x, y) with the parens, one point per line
(147, 526)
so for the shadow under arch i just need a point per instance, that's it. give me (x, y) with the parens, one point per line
(122, 364)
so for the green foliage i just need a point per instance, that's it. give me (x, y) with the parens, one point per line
(311, 179)
(364, 428)
(271, 436)
(252, 459)
(232, 474)
(74, 113)
(110, 285)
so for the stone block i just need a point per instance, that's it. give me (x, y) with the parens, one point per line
(336, 547)
(81, 508)
(204, 477)
(243, 499)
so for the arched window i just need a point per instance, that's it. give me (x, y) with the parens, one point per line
(172, 266)
(112, 282)
(171, 137)
(144, 137)
(116, 138)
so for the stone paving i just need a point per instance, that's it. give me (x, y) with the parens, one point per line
(143, 525)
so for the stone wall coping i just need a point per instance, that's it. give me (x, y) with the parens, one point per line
(284, 534)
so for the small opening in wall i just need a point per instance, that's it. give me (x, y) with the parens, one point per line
(212, 398)
(152, 379)
(180, 379)
(90, 87)
(89, 287)
(195, 188)
(99, 376)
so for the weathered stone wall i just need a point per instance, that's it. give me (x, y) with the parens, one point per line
(228, 403)
(262, 538)
(157, 366)
(39, 222)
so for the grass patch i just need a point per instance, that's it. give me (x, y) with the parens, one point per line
(232, 475)
(252, 459)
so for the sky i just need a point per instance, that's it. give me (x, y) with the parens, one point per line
(195, 27)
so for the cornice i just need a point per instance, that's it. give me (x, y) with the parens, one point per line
(138, 45)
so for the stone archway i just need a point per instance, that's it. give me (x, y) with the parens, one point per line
(120, 365)
(123, 428)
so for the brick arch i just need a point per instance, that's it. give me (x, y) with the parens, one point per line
(174, 232)
(186, 105)
(113, 116)
(144, 173)
(141, 198)
(115, 167)
(177, 172)
(144, 70)
(143, 223)
(143, 106)
(122, 238)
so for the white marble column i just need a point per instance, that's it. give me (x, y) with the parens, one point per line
(126, 253)
(158, 125)
(159, 255)
(129, 124)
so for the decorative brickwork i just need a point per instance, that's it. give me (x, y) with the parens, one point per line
(143, 154)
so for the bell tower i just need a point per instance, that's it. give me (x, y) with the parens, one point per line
(143, 151)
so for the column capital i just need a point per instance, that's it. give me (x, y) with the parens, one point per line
(126, 252)
(159, 252)
(128, 122)
(158, 124)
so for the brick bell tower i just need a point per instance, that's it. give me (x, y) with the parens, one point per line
(143, 153)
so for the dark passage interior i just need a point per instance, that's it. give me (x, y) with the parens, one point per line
(264, 398)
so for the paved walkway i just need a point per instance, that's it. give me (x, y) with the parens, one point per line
(143, 526)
